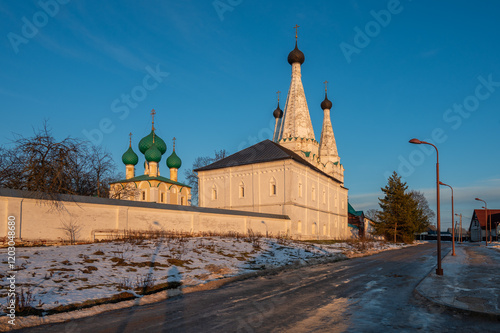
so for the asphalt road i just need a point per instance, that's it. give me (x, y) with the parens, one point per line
(370, 294)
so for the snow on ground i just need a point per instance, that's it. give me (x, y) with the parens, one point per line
(62, 275)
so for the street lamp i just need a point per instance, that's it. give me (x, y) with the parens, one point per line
(452, 222)
(439, 270)
(486, 211)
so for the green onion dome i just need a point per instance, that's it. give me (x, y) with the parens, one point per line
(130, 157)
(173, 161)
(153, 154)
(147, 141)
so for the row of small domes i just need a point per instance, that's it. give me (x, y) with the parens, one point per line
(326, 104)
(153, 147)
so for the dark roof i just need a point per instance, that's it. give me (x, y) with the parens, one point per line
(264, 151)
(146, 178)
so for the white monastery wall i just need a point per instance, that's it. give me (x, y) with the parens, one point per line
(35, 220)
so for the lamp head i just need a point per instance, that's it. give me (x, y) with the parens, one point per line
(415, 141)
(478, 199)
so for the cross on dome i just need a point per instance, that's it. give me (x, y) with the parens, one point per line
(153, 112)
(326, 86)
(296, 31)
(174, 143)
(130, 140)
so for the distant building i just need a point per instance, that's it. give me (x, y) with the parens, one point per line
(479, 220)
(151, 187)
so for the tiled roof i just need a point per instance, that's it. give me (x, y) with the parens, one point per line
(146, 178)
(264, 151)
(481, 216)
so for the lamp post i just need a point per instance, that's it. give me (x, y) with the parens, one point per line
(439, 270)
(460, 232)
(452, 222)
(486, 228)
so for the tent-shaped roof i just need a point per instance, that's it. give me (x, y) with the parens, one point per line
(264, 151)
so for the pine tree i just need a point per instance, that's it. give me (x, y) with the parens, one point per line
(400, 216)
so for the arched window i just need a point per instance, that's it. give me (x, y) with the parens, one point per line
(313, 194)
(324, 196)
(242, 190)
(161, 197)
(300, 190)
(272, 187)
(214, 192)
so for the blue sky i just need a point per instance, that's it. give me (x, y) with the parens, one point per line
(396, 70)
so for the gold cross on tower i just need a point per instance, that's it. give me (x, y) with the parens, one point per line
(153, 112)
(326, 85)
(174, 142)
(278, 92)
(130, 142)
(296, 31)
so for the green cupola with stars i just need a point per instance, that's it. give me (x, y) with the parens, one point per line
(130, 159)
(173, 163)
(147, 141)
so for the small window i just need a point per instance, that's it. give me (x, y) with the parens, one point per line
(313, 194)
(183, 201)
(214, 193)
(300, 190)
(242, 190)
(161, 196)
(143, 195)
(272, 187)
(299, 227)
(324, 196)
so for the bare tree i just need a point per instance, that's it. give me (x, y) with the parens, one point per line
(192, 177)
(49, 168)
(126, 191)
(71, 227)
(423, 204)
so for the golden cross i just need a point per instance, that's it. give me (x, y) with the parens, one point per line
(326, 85)
(296, 30)
(278, 92)
(130, 143)
(153, 112)
(174, 141)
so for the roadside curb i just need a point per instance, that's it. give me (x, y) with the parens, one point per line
(419, 290)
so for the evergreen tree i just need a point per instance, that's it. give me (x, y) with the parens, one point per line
(401, 214)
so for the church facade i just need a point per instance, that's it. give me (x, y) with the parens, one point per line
(293, 174)
(151, 186)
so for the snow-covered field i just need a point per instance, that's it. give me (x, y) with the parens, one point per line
(62, 275)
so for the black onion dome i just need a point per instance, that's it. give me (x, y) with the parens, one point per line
(296, 56)
(278, 113)
(326, 104)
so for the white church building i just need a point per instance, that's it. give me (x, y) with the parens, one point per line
(293, 175)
